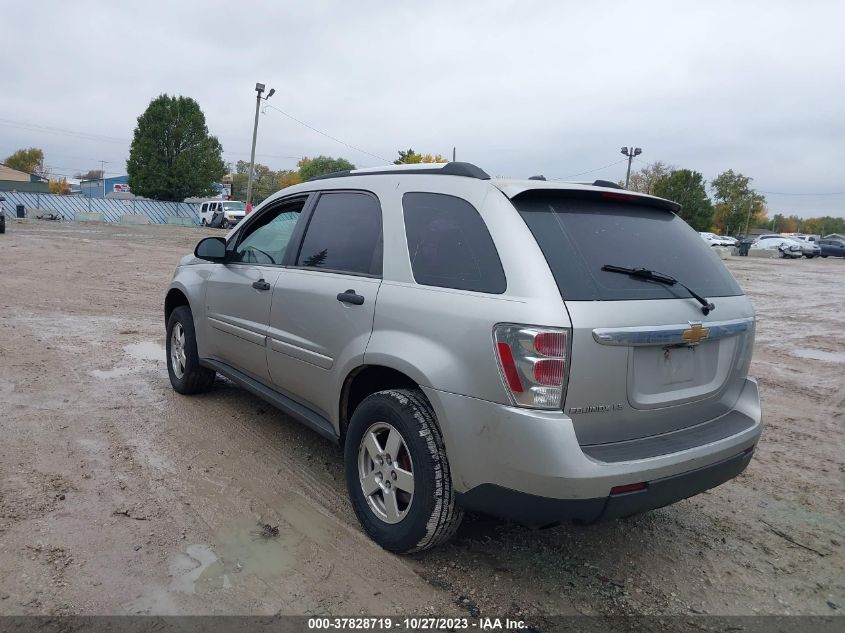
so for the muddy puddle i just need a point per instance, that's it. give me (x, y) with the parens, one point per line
(145, 351)
(114, 372)
(237, 552)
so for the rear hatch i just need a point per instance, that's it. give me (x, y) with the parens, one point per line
(645, 359)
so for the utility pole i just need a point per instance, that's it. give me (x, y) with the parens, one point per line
(630, 152)
(259, 88)
(103, 175)
(748, 217)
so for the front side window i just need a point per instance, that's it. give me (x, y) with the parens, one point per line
(344, 234)
(449, 244)
(267, 239)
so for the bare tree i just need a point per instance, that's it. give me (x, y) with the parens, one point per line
(643, 181)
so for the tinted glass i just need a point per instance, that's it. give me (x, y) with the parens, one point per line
(344, 234)
(267, 239)
(579, 236)
(449, 244)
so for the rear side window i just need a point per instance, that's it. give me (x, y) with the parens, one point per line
(450, 245)
(344, 234)
(578, 236)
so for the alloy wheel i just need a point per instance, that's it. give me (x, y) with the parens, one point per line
(386, 472)
(178, 360)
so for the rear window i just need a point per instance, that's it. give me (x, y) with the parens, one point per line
(579, 236)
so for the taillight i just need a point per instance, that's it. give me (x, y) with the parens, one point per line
(533, 362)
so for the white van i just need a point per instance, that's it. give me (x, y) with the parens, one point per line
(231, 211)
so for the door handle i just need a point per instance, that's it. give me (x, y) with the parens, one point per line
(350, 296)
(261, 285)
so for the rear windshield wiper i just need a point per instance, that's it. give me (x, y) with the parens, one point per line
(651, 275)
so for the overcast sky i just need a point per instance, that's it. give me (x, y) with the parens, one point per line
(520, 88)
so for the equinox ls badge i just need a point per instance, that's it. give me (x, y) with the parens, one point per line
(597, 408)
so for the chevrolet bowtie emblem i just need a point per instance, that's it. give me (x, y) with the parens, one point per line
(695, 334)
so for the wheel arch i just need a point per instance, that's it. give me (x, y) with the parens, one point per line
(175, 297)
(366, 380)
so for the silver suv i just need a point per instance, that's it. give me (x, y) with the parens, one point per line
(529, 349)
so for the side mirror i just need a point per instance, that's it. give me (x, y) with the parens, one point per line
(211, 249)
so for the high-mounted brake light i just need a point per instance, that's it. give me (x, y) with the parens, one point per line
(616, 196)
(533, 362)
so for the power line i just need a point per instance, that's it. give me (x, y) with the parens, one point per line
(329, 136)
(791, 193)
(61, 131)
(590, 171)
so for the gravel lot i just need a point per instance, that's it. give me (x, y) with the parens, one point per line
(119, 496)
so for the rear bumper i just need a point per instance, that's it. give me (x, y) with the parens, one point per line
(540, 511)
(528, 466)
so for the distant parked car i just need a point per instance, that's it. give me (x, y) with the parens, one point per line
(716, 240)
(786, 246)
(832, 247)
(809, 247)
(222, 213)
(2, 215)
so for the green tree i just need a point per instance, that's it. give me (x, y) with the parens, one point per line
(320, 165)
(737, 204)
(30, 160)
(173, 156)
(823, 226)
(687, 188)
(287, 178)
(643, 181)
(410, 157)
(264, 182)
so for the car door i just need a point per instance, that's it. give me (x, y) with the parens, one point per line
(239, 292)
(324, 303)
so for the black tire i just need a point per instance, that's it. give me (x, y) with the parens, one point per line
(194, 378)
(225, 225)
(823, 256)
(203, 222)
(432, 515)
(2, 225)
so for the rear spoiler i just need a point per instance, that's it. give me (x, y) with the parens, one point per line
(595, 193)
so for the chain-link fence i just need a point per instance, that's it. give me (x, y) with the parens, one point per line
(112, 209)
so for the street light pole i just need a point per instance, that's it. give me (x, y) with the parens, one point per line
(259, 88)
(630, 152)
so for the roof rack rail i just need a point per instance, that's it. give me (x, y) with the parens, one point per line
(607, 183)
(467, 170)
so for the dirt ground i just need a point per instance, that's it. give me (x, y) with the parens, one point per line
(119, 496)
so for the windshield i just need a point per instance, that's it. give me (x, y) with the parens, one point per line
(234, 206)
(578, 236)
